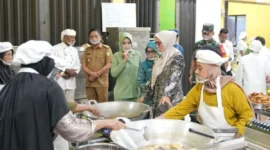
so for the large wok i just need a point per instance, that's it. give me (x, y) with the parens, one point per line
(99, 146)
(111, 110)
(162, 132)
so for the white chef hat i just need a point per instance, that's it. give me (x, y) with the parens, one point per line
(69, 32)
(210, 57)
(5, 46)
(242, 35)
(32, 52)
(255, 46)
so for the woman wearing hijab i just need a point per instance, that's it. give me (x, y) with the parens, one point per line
(220, 102)
(145, 70)
(125, 65)
(166, 81)
(6, 55)
(253, 69)
(30, 118)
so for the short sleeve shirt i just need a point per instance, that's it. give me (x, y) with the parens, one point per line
(95, 58)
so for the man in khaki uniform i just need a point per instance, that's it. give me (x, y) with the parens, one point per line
(96, 64)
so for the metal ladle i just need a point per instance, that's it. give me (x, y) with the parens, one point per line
(144, 131)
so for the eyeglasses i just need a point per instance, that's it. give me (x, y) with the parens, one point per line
(126, 43)
(150, 52)
(158, 43)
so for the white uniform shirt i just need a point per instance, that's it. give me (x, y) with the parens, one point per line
(228, 46)
(251, 73)
(241, 46)
(265, 52)
(71, 56)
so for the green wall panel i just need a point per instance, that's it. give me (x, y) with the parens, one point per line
(167, 14)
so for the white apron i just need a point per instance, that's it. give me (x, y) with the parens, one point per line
(214, 117)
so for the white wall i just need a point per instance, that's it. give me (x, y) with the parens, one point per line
(207, 11)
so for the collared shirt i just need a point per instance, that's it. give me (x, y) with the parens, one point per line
(95, 58)
(71, 56)
(228, 46)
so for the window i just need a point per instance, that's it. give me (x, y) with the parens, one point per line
(236, 25)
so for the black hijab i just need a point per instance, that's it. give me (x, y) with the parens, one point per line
(6, 72)
(43, 67)
(30, 107)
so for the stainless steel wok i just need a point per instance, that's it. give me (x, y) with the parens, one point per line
(99, 146)
(111, 110)
(162, 132)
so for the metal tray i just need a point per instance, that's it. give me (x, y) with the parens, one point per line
(258, 105)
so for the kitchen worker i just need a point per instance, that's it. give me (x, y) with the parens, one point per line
(221, 103)
(167, 73)
(242, 45)
(125, 66)
(6, 55)
(228, 46)
(39, 107)
(96, 63)
(176, 45)
(145, 70)
(67, 52)
(265, 51)
(207, 34)
(252, 70)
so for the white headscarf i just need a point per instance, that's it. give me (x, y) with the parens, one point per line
(242, 35)
(210, 57)
(32, 52)
(168, 39)
(69, 32)
(256, 46)
(5, 46)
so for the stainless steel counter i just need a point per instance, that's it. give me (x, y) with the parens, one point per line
(263, 112)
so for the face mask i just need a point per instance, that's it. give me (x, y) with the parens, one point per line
(94, 42)
(206, 37)
(151, 58)
(160, 53)
(126, 47)
(201, 79)
(82, 49)
(9, 62)
(71, 43)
